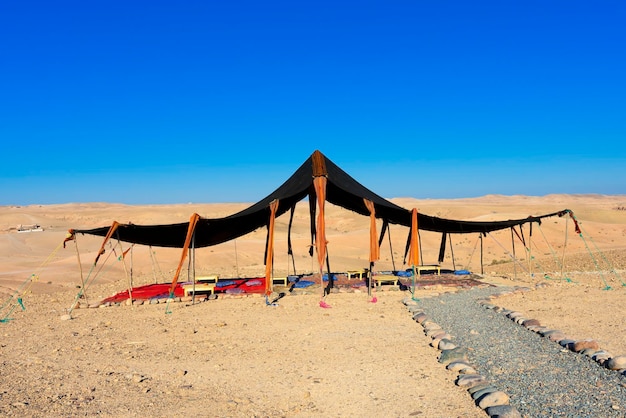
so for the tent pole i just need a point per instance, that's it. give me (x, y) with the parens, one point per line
(564, 246)
(419, 242)
(452, 251)
(482, 266)
(80, 266)
(530, 250)
(514, 257)
(192, 272)
(131, 264)
(393, 261)
(128, 279)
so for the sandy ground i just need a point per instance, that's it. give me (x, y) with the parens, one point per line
(236, 356)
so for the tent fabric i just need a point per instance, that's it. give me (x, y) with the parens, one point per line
(341, 190)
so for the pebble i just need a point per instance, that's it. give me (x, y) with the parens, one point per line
(503, 411)
(580, 345)
(480, 387)
(557, 336)
(531, 322)
(456, 354)
(616, 363)
(456, 366)
(469, 380)
(489, 388)
(420, 317)
(446, 344)
(493, 399)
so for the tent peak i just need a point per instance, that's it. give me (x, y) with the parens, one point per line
(319, 164)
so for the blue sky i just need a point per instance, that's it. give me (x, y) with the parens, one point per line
(204, 101)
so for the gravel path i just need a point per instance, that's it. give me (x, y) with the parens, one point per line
(542, 378)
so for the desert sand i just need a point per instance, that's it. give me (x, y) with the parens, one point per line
(236, 356)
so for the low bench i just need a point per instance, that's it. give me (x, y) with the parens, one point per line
(280, 280)
(357, 274)
(386, 279)
(199, 289)
(432, 267)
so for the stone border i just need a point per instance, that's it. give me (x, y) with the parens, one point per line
(486, 396)
(587, 347)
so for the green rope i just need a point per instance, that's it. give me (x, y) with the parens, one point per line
(595, 262)
(167, 305)
(413, 286)
(16, 298)
(608, 263)
(559, 265)
(88, 283)
(540, 266)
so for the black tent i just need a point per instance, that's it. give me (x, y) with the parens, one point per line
(341, 190)
(321, 181)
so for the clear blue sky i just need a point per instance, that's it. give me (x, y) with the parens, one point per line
(220, 101)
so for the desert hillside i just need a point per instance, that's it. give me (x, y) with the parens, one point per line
(553, 247)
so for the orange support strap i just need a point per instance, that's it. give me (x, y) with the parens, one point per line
(112, 230)
(374, 247)
(269, 257)
(414, 257)
(193, 221)
(320, 233)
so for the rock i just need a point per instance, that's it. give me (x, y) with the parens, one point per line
(589, 352)
(468, 370)
(414, 309)
(420, 317)
(455, 366)
(503, 411)
(580, 345)
(427, 322)
(557, 336)
(456, 354)
(514, 315)
(430, 326)
(435, 342)
(442, 336)
(480, 387)
(566, 342)
(433, 333)
(601, 356)
(535, 328)
(409, 302)
(469, 380)
(486, 388)
(446, 344)
(616, 363)
(531, 322)
(66, 317)
(493, 399)
(547, 332)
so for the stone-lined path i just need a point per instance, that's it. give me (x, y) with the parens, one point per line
(537, 376)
